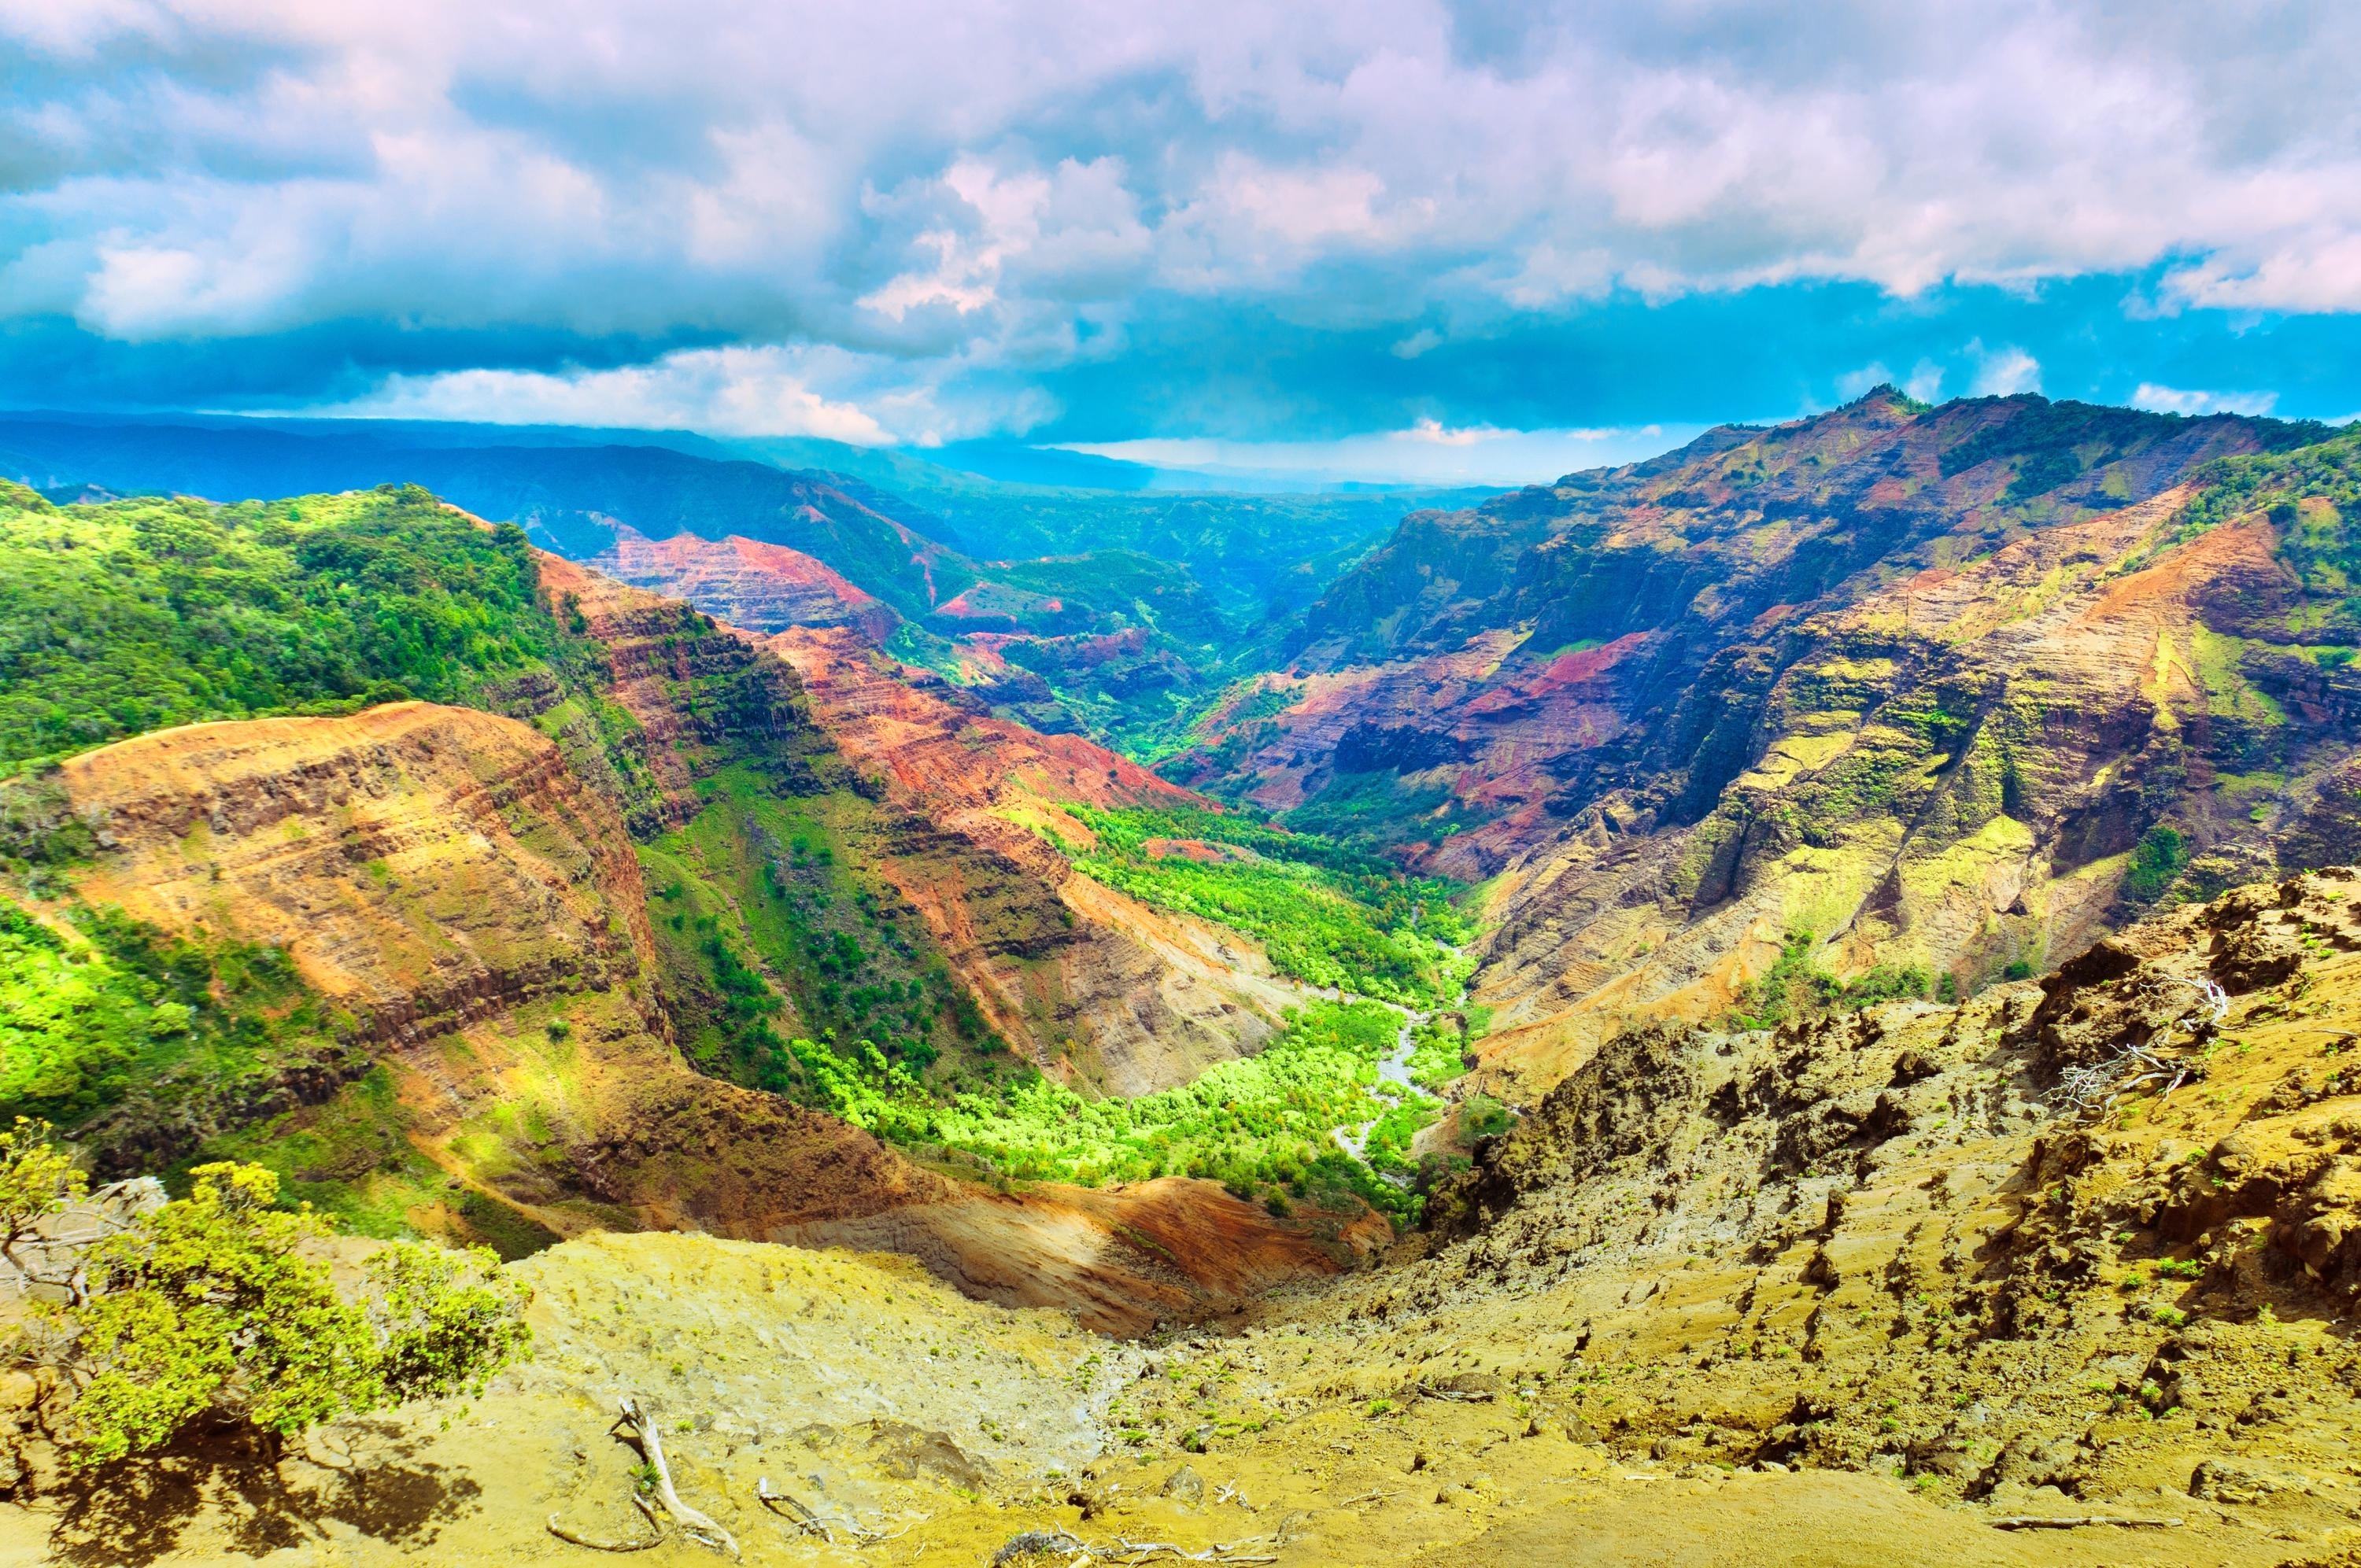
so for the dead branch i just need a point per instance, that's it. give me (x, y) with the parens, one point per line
(699, 1526)
(595, 1544)
(2076, 1521)
(794, 1512)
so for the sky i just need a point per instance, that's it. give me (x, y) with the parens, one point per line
(1381, 239)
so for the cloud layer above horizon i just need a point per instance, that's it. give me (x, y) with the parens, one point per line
(1445, 231)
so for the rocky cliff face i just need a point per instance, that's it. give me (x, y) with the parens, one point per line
(1915, 685)
(762, 587)
(443, 876)
(1095, 984)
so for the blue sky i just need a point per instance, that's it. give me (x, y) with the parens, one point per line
(1388, 239)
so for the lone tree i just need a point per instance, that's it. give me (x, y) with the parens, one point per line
(212, 1306)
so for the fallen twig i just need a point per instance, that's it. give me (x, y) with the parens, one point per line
(700, 1528)
(2076, 1521)
(1367, 1497)
(786, 1507)
(564, 1534)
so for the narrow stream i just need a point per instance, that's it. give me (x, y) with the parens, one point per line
(1393, 1068)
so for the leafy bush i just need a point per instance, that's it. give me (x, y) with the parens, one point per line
(213, 1306)
(1481, 1116)
(1794, 986)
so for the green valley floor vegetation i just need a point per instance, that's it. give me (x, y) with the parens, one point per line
(1260, 1124)
(100, 1014)
(1328, 913)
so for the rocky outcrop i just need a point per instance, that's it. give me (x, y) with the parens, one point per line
(762, 587)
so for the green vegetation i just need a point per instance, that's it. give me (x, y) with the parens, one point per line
(97, 1009)
(2157, 860)
(2055, 444)
(2327, 473)
(1327, 913)
(1259, 1123)
(1795, 987)
(1438, 1052)
(761, 888)
(1380, 808)
(210, 1307)
(137, 615)
(1482, 1116)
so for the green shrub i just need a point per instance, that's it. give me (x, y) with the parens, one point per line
(2157, 860)
(211, 1306)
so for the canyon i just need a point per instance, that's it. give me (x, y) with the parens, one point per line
(1898, 1096)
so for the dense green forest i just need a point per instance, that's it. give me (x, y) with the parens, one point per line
(139, 615)
(1259, 1125)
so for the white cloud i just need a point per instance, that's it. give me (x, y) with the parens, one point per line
(1855, 383)
(1425, 340)
(1426, 453)
(2173, 400)
(2004, 372)
(1434, 433)
(728, 391)
(965, 188)
(725, 146)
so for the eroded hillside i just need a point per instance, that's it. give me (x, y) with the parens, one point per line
(1914, 698)
(587, 960)
(2061, 1275)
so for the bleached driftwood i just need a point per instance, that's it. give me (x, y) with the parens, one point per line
(1220, 1552)
(700, 1528)
(2076, 1521)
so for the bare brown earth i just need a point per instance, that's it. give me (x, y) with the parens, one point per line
(1849, 1293)
(439, 873)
